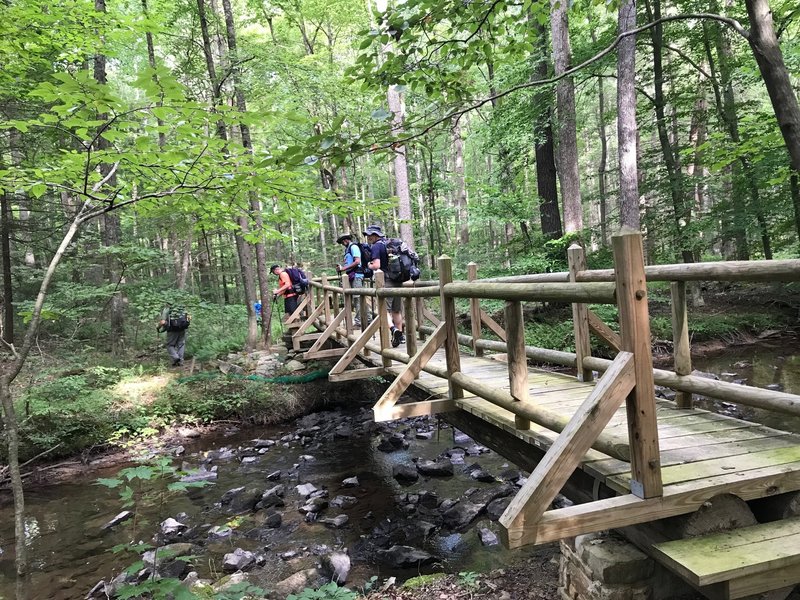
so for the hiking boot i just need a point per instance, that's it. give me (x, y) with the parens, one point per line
(397, 338)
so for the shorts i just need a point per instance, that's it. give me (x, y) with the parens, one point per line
(394, 304)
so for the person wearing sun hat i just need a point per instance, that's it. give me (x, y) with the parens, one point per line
(380, 260)
(351, 265)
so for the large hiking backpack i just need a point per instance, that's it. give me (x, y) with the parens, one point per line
(298, 279)
(366, 256)
(177, 320)
(403, 263)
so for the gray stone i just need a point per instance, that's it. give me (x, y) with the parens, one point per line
(336, 522)
(259, 443)
(274, 476)
(221, 454)
(219, 532)
(461, 514)
(612, 560)
(296, 583)
(188, 432)
(241, 499)
(273, 520)
(314, 505)
(407, 473)
(482, 475)
(344, 501)
(404, 557)
(307, 458)
(497, 507)
(428, 499)
(120, 518)
(294, 365)
(170, 526)
(424, 435)
(488, 537)
(343, 432)
(229, 581)
(350, 482)
(165, 559)
(439, 468)
(249, 460)
(200, 475)
(306, 489)
(336, 566)
(238, 560)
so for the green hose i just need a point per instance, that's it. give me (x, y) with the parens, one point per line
(209, 375)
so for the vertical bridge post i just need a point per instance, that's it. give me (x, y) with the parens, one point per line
(348, 305)
(452, 352)
(517, 360)
(634, 322)
(410, 326)
(325, 300)
(580, 313)
(383, 316)
(682, 351)
(474, 311)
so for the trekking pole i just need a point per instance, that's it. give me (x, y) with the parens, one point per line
(272, 311)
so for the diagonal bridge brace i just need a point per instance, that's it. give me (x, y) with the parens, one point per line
(338, 373)
(520, 521)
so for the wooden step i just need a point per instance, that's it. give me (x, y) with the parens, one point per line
(740, 562)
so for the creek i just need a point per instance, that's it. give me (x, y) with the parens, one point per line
(70, 550)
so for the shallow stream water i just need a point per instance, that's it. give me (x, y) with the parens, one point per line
(70, 551)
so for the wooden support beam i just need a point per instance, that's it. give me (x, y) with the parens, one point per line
(326, 299)
(493, 325)
(580, 313)
(474, 311)
(414, 409)
(596, 293)
(311, 352)
(305, 325)
(426, 312)
(521, 518)
(517, 361)
(411, 371)
(355, 347)
(452, 352)
(420, 304)
(357, 374)
(348, 305)
(634, 322)
(295, 316)
(604, 332)
(329, 353)
(382, 316)
(682, 351)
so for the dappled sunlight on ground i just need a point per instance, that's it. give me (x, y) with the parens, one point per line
(142, 390)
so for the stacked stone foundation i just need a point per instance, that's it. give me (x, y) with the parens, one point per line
(607, 567)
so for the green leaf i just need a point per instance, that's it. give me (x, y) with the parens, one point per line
(109, 482)
(380, 114)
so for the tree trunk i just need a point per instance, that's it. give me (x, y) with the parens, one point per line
(567, 148)
(460, 186)
(601, 167)
(397, 108)
(7, 333)
(546, 175)
(626, 111)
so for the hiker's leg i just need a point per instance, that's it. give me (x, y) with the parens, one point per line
(290, 305)
(180, 344)
(172, 344)
(358, 282)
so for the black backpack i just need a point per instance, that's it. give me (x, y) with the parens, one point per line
(298, 279)
(178, 320)
(403, 263)
(366, 256)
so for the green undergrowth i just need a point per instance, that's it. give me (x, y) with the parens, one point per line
(66, 414)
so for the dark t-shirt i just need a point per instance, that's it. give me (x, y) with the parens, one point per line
(378, 250)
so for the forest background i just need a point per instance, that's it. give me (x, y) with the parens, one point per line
(171, 151)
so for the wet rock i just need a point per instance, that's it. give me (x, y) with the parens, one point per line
(165, 560)
(482, 475)
(778, 387)
(238, 560)
(314, 505)
(447, 504)
(272, 497)
(171, 527)
(336, 522)
(405, 473)
(176, 451)
(273, 520)
(221, 454)
(274, 476)
(497, 507)
(249, 460)
(307, 458)
(742, 364)
(336, 567)
(424, 435)
(343, 432)
(306, 489)
(428, 499)
(460, 437)
(230, 581)
(439, 468)
(120, 518)
(706, 375)
(188, 432)
(510, 475)
(220, 532)
(294, 584)
(241, 499)
(344, 501)
(404, 557)
(561, 501)
(350, 482)
(260, 443)
(488, 537)
(461, 514)
(202, 474)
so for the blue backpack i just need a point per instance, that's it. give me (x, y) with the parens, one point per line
(298, 279)
(366, 256)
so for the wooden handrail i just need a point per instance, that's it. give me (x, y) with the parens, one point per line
(730, 270)
(598, 293)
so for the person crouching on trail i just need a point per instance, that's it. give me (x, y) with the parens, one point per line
(354, 269)
(380, 260)
(285, 289)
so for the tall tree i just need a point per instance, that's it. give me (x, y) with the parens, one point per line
(626, 111)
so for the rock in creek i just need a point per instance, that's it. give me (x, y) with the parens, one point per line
(306, 489)
(344, 501)
(405, 473)
(497, 507)
(404, 557)
(241, 499)
(171, 527)
(336, 522)
(296, 583)
(350, 482)
(336, 566)
(238, 560)
(488, 537)
(438, 468)
(461, 514)
(274, 476)
(273, 520)
(120, 518)
(200, 475)
(272, 497)
(314, 505)
(165, 560)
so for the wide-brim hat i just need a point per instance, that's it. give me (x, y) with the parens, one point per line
(344, 236)
(373, 230)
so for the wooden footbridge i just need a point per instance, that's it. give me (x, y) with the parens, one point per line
(628, 459)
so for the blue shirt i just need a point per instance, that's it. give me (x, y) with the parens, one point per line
(352, 253)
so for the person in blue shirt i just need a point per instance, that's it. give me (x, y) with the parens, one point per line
(257, 309)
(351, 265)
(380, 260)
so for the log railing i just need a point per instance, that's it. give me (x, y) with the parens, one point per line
(629, 377)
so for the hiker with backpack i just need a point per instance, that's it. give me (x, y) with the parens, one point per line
(356, 256)
(292, 283)
(399, 264)
(175, 321)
